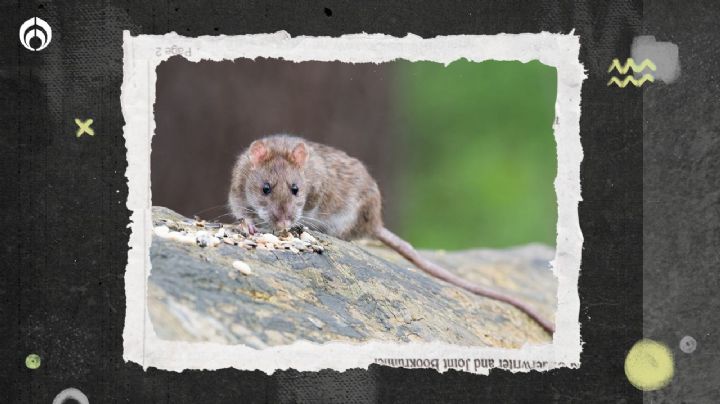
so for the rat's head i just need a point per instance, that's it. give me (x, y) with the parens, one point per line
(275, 186)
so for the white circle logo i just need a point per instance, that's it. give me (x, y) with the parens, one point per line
(35, 34)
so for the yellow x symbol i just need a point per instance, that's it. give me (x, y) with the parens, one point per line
(84, 127)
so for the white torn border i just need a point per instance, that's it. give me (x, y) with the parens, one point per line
(143, 53)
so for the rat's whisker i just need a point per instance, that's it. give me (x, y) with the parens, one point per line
(306, 219)
(320, 222)
(210, 208)
(309, 225)
(218, 217)
(322, 213)
(313, 224)
(248, 210)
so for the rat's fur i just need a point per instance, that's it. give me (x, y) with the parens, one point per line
(336, 196)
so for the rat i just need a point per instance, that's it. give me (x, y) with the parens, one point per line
(281, 181)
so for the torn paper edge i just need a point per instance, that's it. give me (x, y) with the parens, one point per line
(143, 53)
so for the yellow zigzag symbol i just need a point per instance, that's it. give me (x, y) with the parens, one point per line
(630, 64)
(630, 79)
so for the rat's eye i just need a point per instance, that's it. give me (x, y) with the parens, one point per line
(266, 188)
(294, 189)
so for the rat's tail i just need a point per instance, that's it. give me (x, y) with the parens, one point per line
(406, 250)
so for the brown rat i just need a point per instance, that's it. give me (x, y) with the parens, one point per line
(282, 180)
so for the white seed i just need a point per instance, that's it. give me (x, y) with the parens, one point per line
(268, 238)
(188, 239)
(242, 267)
(306, 237)
(202, 238)
(316, 322)
(162, 231)
(182, 237)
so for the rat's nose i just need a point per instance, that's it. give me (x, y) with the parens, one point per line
(284, 224)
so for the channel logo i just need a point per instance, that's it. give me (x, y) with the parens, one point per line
(35, 34)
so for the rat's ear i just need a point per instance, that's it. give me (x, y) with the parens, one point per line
(258, 153)
(300, 154)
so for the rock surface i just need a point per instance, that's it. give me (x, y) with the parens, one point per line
(351, 292)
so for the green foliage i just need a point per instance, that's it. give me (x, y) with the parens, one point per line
(479, 153)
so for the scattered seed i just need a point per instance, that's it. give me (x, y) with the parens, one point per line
(199, 232)
(242, 267)
(316, 322)
(306, 237)
(205, 240)
(202, 238)
(162, 231)
(268, 238)
(182, 237)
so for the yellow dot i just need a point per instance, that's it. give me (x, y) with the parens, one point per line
(32, 361)
(649, 365)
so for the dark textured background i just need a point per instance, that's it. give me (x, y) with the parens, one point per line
(65, 241)
(681, 204)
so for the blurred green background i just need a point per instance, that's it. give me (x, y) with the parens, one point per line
(479, 153)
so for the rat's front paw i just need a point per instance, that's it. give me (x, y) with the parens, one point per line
(246, 226)
(251, 228)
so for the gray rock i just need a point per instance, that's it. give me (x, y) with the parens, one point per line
(352, 292)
